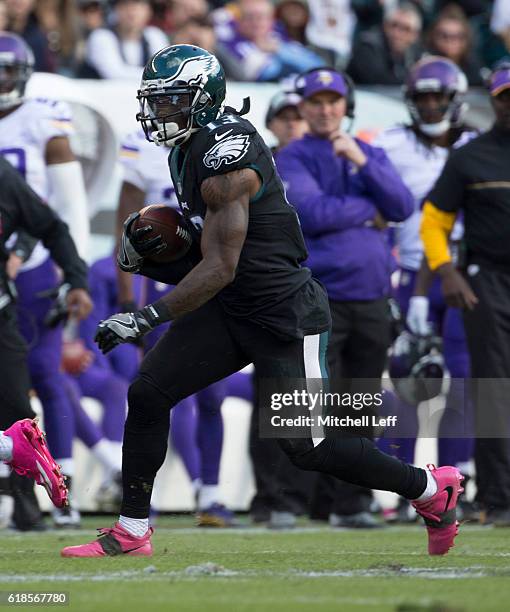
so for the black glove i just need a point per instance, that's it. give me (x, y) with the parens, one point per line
(59, 311)
(133, 248)
(121, 328)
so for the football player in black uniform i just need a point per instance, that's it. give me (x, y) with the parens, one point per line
(22, 443)
(246, 300)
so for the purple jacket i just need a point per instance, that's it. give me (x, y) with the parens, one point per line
(335, 201)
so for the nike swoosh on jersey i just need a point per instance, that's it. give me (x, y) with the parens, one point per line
(220, 136)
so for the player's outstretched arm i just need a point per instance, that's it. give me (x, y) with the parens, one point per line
(226, 222)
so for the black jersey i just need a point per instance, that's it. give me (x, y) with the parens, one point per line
(476, 179)
(270, 285)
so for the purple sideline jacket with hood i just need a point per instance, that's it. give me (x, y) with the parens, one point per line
(335, 200)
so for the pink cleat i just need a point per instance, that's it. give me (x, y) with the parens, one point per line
(438, 512)
(31, 457)
(113, 541)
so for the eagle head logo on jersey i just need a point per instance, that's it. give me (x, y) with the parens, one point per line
(227, 151)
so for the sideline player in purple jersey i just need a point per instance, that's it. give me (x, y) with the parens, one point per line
(434, 94)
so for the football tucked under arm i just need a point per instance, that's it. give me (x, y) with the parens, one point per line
(227, 198)
(169, 225)
(155, 235)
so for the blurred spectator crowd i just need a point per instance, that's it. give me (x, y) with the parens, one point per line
(376, 41)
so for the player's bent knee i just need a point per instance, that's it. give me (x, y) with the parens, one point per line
(142, 394)
(148, 408)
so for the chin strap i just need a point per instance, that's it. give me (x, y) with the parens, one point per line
(245, 109)
(435, 129)
(10, 99)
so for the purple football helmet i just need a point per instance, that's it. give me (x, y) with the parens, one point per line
(438, 75)
(16, 66)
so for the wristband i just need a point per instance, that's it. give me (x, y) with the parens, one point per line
(156, 313)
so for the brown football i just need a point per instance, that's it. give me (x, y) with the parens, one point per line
(168, 223)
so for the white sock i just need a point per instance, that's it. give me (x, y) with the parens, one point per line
(109, 456)
(430, 489)
(67, 466)
(5, 447)
(5, 470)
(209, 494)
(136, 527)
(466, 468)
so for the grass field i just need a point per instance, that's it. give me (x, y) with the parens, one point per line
(311, 568)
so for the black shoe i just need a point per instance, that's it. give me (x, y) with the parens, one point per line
(499, 517)
(282, 520)
(27, 515)
(469, 511)
(260, 516)
(359, 520)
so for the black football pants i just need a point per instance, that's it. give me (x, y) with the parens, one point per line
(280, 485)
(358, 348)
(14, 376)
(206, 346)
(488, 335)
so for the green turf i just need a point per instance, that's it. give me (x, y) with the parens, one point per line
(315, 569)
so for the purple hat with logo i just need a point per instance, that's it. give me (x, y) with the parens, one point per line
(500, 80)
(326, 79)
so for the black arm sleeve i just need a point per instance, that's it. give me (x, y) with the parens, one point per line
(24, 245)
(27, 211)
(449, 190)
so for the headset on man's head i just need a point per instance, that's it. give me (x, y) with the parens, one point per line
(349, 99)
